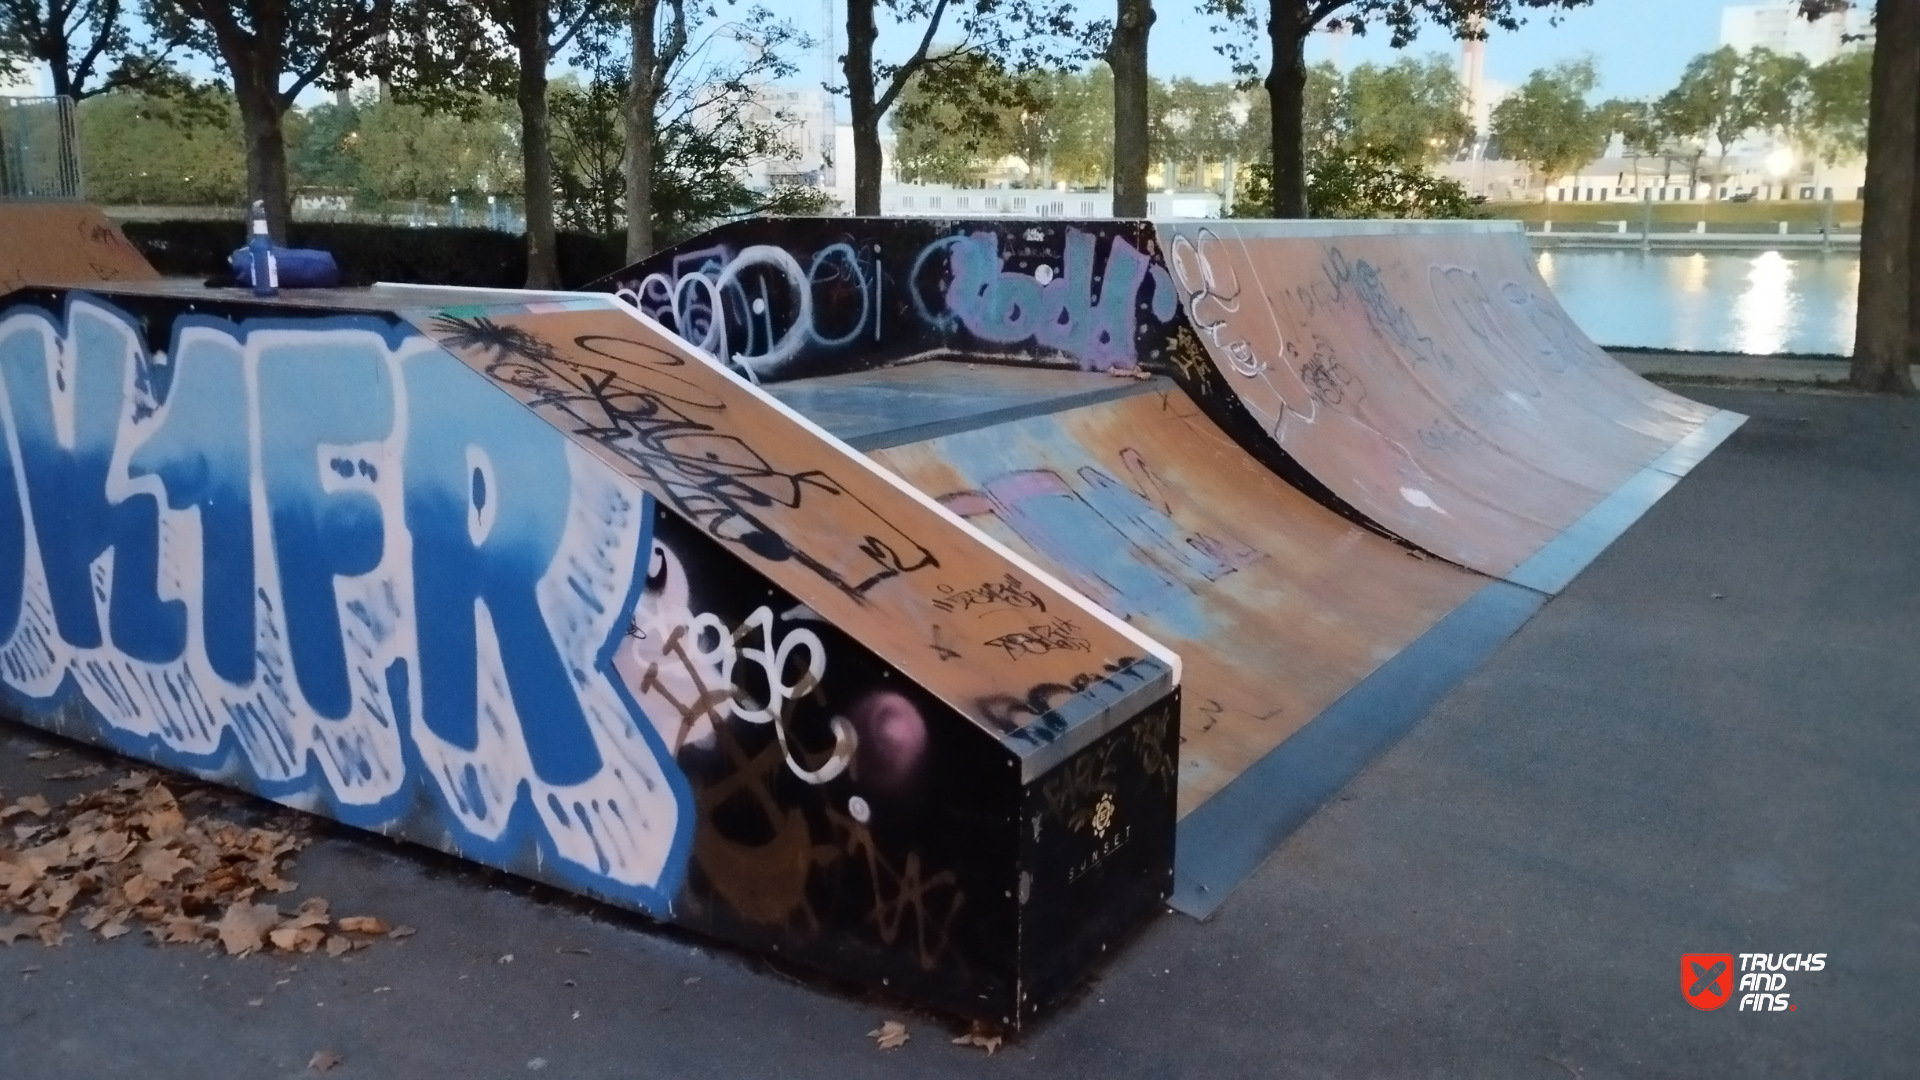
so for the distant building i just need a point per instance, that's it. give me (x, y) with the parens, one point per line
(943, 200)
(820, 147)
(1779, 26)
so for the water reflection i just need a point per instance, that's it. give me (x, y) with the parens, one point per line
(1721, 301)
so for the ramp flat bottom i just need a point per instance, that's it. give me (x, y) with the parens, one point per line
(872, 410)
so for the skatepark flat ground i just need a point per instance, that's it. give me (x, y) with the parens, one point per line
(1710, 742)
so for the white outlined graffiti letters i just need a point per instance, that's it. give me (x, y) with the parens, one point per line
(322, 556)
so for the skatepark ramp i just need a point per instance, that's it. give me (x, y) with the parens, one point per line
(64, 243)
(525, 578)
(1332, 464)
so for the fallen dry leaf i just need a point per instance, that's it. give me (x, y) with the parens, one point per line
(162, 865)
(243, 929)
(323, 1060)
(364, 924)
(62, 898)
(24, 926)
(890, 1035)
(83, 773)
(312, 912)
(338, 946)
(399, 932)
(181, 930)
(128, 854)
(982, 1035)
(43, 755)
(297, 938)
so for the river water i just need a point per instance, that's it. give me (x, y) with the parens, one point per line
(1709, 301)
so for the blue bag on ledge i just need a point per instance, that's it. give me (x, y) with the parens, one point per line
(300, 268)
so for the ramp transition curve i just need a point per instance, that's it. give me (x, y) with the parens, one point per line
(1340, 461)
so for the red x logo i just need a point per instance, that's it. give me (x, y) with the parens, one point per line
(1706, 979)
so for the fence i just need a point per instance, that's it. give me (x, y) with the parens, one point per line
(39, 149)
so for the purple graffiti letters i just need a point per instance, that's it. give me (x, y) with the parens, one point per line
(1055, 310)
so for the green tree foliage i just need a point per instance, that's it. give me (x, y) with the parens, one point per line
(1276, 32)
(1547, 122)
(1080, 117)
(1019, 36)
(1636, 123)
(1834, 122)
(88, 46)
(1708, 106)
(452, 54)
(951, 128)
(1366, 183)
(698, 176)
(1776, 85)
(1413, 109)
(692, 69)
(269, 52)
(1323, 116)
(1060, 123)
(403, 152)
(324, 156)
(141, 150)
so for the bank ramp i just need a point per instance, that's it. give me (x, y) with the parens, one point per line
(525, 578)
(45, 242)
(1331, 464)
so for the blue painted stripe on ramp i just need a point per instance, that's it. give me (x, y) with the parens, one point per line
(1224, 840)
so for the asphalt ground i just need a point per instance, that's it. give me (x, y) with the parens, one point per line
(1710, 742)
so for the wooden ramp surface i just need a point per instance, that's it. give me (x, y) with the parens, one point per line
(1276, 605)
(64, 243)
(994, 640)
(1427, 377)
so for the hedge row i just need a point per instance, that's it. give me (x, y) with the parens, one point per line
(369, 253)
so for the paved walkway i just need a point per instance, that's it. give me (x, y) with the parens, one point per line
(1707, 744)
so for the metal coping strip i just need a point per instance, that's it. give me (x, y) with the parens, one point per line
(1556, 564)
(1225, 839)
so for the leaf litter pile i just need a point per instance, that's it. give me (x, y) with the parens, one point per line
(128, 855)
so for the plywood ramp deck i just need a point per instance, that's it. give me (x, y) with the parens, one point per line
(1277, 606)
(65, 243)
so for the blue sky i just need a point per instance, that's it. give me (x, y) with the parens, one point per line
(1640, 45)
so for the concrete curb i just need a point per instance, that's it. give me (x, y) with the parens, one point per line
(1733, 367)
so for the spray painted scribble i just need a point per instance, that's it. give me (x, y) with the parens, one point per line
(714, 479)
(370, 603)
(758, 308)
(1057, 309)
(1091, 297)
(1116, 539)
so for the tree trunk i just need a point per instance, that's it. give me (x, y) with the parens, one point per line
(266, 141)
(1883, 335)
(536, 143)
(640, 129)
(1127, 58)
(857, 65)
(1287, 92)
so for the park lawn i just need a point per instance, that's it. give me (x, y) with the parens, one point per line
(1809, 212)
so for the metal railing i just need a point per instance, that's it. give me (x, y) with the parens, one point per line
(39, 149)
